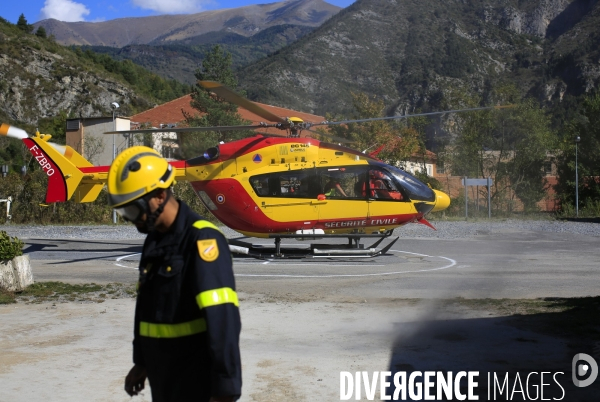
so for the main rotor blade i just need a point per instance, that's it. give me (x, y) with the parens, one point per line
(406, 116)
(189, 129)
(227, 94)
(330, 136)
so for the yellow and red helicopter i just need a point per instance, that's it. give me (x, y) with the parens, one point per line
(271, 187)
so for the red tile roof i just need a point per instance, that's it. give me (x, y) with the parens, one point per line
(172, 112)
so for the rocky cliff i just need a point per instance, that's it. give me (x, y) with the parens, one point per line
(40, 79)
(421, 54)
(532, 18)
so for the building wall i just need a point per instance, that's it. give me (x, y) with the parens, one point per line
(90, 140)
(165, 144)
(414, 167)
(452, 185)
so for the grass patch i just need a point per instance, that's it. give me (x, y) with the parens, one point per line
(7, 297)
(574, 318)
(482, 216)
(65, 292)
(510, 306)
(44, 289)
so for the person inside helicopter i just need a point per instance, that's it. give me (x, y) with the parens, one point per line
(334, 189)
(379, 186)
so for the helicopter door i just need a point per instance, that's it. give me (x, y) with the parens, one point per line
(387, 200)
(344, 206)
(289, 198)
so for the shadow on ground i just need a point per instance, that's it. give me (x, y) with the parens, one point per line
(511, 348)
(585, 220)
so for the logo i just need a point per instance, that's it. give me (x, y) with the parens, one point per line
(208, 249)
(588, 369)
(220, 198)
(257, 158)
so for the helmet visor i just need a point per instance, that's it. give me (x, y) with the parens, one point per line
(131, 212)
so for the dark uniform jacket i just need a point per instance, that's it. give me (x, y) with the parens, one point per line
(187, 321)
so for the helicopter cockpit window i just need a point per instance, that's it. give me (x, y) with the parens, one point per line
(358, 183)
(381, 187)
(416, 189)
(340, 182)
(293, 184)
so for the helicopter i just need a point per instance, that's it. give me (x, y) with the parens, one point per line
(273, 187)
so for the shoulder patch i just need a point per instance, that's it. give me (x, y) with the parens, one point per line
(208, 250)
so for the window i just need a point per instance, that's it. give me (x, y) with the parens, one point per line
(289, 184)
(334, 183)
(342, 183)
(73, 124)
(440, 168)
(416, 189)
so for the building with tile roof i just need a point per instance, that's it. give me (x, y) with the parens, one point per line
(172, 114)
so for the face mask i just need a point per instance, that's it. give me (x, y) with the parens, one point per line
(148, 225)
(134, 212)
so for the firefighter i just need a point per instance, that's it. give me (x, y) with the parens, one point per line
(187, 322)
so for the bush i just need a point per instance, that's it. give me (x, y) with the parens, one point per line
(10, 247)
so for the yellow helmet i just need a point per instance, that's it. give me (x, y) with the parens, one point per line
(135, 172)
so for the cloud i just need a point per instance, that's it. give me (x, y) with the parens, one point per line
(64, 10)
(173, 6)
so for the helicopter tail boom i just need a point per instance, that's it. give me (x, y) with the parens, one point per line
(69, 173)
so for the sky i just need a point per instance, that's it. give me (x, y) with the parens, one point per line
(104, 10)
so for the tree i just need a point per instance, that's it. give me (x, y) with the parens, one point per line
(419, 124)
(55, 126)
(511, 146)
(94, 147)
(530, 143)
(399, 141)
(41, 32)
(587, 127)
(216, 66)
(23, 25)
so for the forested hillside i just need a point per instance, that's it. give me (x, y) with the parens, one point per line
(41, 79)
(429, 55)
(43, 83)
(179, 60)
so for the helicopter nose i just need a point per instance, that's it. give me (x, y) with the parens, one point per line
(442, 201)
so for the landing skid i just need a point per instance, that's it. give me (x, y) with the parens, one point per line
(353, 249)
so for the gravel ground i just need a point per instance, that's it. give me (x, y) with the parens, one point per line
(445, 230)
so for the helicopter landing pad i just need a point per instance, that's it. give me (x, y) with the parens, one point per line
(505, 263)
(395, 262)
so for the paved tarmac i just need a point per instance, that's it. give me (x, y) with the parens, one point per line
(305, 321)
(509, 264)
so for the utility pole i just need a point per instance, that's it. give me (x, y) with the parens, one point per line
(114, 106)
(577, 139)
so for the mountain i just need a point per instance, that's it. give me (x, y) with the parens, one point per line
(429, 55)
(179, 59)
(41, 79)
(164, 29)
